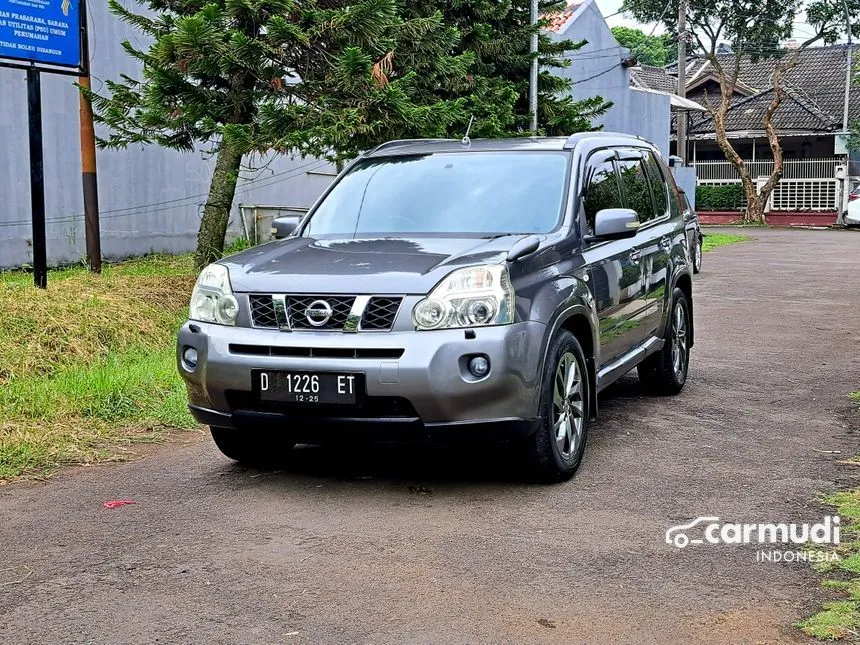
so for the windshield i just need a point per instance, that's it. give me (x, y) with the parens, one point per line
(462, 193)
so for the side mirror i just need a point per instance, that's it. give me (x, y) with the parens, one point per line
(284, 226)
(614, 224)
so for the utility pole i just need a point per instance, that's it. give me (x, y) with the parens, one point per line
(681, 121)
(533, 72)
(89, 177)
(847, 69)
(845, 185)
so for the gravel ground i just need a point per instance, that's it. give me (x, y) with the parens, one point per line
(411, 546)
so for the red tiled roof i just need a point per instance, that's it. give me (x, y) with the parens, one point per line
(557, 21)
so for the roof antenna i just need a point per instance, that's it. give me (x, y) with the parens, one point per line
(466, 141)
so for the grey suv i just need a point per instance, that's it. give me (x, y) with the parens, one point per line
(445, 290)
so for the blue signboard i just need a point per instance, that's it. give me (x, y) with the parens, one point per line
(41, 31)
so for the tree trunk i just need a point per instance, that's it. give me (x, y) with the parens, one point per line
(755, 207)
(770, 130)
(216, 212)
(754, 213)
(718, 114)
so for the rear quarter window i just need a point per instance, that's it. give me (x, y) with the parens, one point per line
(659, 185)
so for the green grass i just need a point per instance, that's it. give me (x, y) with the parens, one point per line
(239, 244)
(713, 240)
(840, 620)
(87, 366)
(836, 621)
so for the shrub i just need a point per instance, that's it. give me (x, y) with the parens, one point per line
(720, 197)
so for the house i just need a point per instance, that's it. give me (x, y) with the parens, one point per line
(807, 121)
(809, 124)
(602, 68)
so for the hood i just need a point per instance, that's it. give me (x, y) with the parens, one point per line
(361, 266)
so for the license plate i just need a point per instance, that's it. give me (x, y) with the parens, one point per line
(307, 387)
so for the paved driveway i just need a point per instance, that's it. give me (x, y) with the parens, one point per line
(404, 546)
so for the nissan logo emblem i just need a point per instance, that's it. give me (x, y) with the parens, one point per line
(318, 313)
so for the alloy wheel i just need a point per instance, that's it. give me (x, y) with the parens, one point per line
(568, 406)
(679, 340)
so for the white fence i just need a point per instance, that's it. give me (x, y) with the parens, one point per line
(806, 184)
(805, 195)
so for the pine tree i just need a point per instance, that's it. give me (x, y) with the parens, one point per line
(328, 78)
(305, 77)
(498, 34)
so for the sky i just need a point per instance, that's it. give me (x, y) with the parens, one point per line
(609, 7)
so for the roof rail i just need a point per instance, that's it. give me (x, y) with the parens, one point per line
(578, 136)
(400, 142)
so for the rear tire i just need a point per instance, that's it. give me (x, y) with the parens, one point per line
(666, 371)
(250, 447)
(559, 443)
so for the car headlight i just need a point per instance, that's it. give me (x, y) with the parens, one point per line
(469, 297)
(212, 299)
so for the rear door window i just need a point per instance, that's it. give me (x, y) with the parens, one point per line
(636, 184)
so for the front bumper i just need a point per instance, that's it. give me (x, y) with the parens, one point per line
(425, 392)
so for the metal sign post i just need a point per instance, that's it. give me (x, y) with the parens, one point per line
(41, 36)
(37, 179)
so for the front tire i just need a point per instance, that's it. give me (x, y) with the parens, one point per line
(666, 371)
(249, 447)
(559, 443)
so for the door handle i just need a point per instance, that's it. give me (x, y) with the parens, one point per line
(665, 242)
(635, 254)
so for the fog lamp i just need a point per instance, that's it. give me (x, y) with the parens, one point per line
(479, 366)
(189, 357)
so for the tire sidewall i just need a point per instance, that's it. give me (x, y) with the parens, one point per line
(563, 343)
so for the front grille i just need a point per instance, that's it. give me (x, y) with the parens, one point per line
(317, 352)
(379, 313)
(263, 311)
(291, 312)
(298, 305)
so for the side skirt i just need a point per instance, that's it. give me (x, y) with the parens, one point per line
(623, 364)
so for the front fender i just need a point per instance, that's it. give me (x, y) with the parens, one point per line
(556, 303)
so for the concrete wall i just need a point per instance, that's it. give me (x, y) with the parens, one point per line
(596, 70)
(685, 177)
(150, 198)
